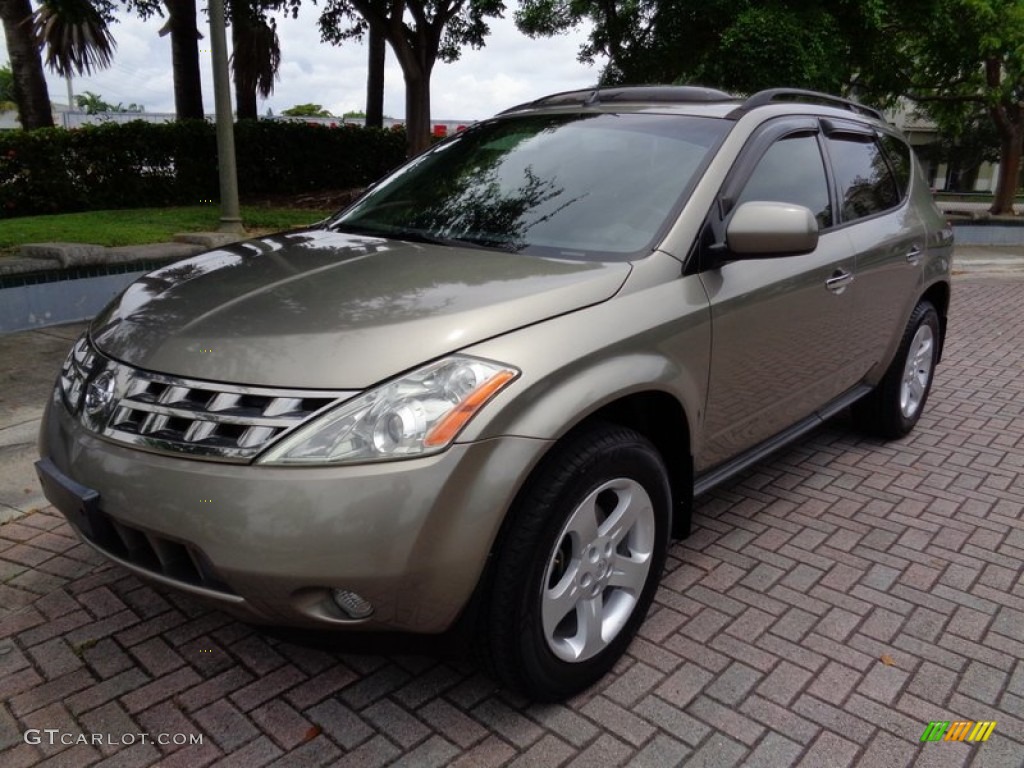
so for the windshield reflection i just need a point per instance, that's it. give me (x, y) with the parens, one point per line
(592, 186)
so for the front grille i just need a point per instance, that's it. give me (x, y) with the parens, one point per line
(205, 418)
(173, 559)
(188, 417)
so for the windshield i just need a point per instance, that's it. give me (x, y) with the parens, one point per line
(593, 186)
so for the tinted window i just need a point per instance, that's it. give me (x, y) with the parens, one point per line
(792, 171)
(575, 186)
(898, 154)
(866, 185)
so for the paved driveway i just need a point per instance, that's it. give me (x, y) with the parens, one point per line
(830, 604)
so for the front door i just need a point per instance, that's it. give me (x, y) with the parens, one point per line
(780, 325)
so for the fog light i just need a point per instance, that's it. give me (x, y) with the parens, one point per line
(351, 603)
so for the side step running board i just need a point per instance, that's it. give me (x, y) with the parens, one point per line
(708, 480)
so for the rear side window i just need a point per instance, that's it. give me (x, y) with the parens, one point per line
(792, 171)
(898, 154)
(866, 185)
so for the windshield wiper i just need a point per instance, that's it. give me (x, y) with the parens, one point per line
(351, 229)
(420, 236)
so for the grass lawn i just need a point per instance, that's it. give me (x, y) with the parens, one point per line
(141, 225)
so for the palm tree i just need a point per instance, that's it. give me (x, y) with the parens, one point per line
(27, 79)
(185, 36)
(256, 57)
(76, 39)
(75, 36)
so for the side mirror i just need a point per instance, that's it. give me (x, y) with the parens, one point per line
(762, 229)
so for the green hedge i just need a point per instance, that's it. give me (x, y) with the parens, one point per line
(139, 164)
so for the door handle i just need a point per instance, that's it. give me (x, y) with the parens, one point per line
(839, 280)
(914, 255)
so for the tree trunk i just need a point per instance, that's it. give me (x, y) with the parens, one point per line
(1011, 151)
(416, 57)
(417, 113)
(375, 78)
(245, 85)
(29, 82)
(953, 173)
(188, 86)
(1009, 120)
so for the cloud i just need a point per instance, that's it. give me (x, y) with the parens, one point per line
(510, 69)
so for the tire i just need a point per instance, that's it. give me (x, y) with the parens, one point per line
(579, 564)
(894, 406)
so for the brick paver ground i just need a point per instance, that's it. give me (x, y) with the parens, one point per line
(829, 605)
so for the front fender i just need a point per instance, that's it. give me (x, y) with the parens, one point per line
(654, 339)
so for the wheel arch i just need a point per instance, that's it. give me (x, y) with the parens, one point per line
(660, 418)
(938, 294)
(506, 619)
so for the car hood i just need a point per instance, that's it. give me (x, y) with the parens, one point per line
(326, 310)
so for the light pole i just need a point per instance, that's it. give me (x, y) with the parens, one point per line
(230, 216)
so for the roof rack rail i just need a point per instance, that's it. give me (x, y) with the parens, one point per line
(761, 98)
(662, 94)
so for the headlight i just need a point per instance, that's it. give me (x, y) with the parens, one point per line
(416, 415)
(77, 368)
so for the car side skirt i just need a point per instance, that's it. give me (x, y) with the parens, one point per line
(705, 481)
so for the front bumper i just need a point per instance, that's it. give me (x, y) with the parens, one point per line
(269, 543)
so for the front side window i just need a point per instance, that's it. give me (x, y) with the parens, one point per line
(580, 186)
(866, 185)
(792, 171)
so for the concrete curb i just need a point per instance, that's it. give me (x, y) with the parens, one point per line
(47, 257)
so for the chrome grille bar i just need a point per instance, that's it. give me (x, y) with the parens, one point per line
(188, 417)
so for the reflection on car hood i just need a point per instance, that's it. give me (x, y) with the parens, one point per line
(326, 310)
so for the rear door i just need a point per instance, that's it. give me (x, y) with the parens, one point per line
(780, 325)
(872, 174)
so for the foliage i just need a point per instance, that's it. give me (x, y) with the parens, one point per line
(93, 103)
(738, 45)
(419, 32)
(6, 89)
(963, 147)
(359, 114)
(306, 110)
(959, 59)
(143, 225)
(256, 53)
(75, 35)
(140, 164)
(6, 83)
(954, 58)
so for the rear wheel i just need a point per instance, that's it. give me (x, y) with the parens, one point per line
(579, 566)
(896, 404)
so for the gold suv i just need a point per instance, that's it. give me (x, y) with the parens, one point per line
(492, 387)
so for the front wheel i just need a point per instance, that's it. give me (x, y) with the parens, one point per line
(580, 563)
(896, 404)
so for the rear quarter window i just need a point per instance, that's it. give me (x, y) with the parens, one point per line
(898, 154)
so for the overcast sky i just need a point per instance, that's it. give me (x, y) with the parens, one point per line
(511, 69)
